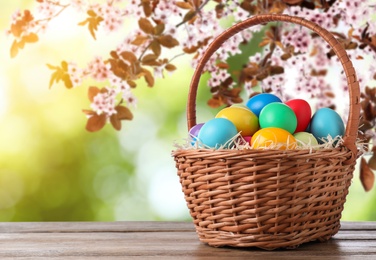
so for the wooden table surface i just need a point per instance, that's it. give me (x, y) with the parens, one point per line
(162, 240)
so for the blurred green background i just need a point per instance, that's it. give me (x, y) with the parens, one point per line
(51, 169)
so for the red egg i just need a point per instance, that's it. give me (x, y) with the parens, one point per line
(303, 113)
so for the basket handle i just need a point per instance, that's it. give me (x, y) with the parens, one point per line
(353, 85)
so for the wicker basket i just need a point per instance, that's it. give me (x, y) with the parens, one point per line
(268, 198)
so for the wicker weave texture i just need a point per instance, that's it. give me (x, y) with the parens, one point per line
(268, 198)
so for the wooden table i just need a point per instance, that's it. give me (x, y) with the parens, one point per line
(163, 240)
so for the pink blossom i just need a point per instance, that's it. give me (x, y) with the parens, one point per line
(297, 37)
(75, 74)
(129, 98)
(47, 9)
(104, 103)
(166, 11)
(111, 14)
(158, 72)
(134, 9)
(79, 5)
(16, 16)
(240, 14)
(275, 83)
(98, 69)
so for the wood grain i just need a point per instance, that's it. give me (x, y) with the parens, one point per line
(162, 240)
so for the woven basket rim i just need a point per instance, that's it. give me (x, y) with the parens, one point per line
(262, 152)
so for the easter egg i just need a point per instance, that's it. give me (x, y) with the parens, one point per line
(278, 115)
(273, 138)
(258, 102)
(305, 139)
(217, 132)
(245, 121)
(247, 139)
(193, 132)
(243, 140)
(240, 105)
(326, 122)
(302, 111)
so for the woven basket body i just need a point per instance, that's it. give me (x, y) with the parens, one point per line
(268, 198)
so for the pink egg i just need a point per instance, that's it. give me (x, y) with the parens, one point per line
(247, 138)
(303, 113)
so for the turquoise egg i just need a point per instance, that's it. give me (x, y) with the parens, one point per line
(217, 132)
(258, 102)
(326, 122)
(278, 115)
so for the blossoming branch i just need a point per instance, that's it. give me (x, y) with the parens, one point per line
(188, 27)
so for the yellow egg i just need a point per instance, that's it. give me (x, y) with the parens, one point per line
(273, 138)
(245, 120)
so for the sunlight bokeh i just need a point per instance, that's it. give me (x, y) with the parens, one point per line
(52, 169)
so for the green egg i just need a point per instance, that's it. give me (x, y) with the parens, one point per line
(278, 115)
(305, 139)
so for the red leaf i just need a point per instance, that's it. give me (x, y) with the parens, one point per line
(115, 122)
(92, 92)
(168, 41)
(123, 113)
(159, 28)
(156, 47)
(148, 77)
(366, 175)
(129, 56)
(96, 122)
(147, 8)
(184, 5)
(88, 112)
(146, 26)
(170, 67)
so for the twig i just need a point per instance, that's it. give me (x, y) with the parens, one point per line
(198, 10)
(144, 51)
(176, 56)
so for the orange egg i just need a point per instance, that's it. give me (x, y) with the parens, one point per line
(273, 138)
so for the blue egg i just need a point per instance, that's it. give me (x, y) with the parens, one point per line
(193, 132)
(216, 132)
(258, 102)
(326, 122)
